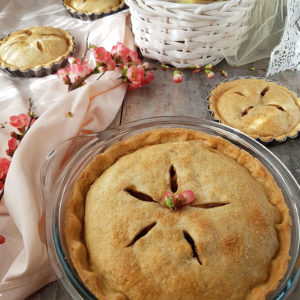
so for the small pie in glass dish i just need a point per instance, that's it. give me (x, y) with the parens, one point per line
(35, 51)
(92, 9)
(260, 108)
(231, 242)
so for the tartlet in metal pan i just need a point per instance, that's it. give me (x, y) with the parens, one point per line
(35, 51)
(260, 108)
(93, 9)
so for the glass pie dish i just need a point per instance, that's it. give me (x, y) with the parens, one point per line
(67, 160)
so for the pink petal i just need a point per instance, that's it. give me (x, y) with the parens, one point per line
(168, 194)
(189, 196)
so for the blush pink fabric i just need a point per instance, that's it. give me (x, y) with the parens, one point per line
(25, 266)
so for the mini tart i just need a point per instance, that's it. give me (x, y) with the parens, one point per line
(35, 51)
(125, 243)
(260, 108)
(92, 9)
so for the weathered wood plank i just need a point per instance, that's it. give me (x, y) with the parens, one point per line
(52, 291)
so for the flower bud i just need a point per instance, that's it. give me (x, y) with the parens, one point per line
(208, 67)
(177, 76)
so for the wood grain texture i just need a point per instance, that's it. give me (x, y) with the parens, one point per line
(164, 98)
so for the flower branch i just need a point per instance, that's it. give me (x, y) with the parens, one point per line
(132, 70)
(22, 123)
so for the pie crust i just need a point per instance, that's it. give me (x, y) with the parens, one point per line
(34, 48)
(259, 108)
(125, 243)
(98, 7)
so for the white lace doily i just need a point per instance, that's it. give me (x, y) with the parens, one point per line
(286, 56)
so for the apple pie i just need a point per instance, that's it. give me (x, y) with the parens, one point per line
(35, 48)
(232, 242)
(260, 108)
(92, 9)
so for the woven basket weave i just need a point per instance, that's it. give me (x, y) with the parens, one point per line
(185, 34)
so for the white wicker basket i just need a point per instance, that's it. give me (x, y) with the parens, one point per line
(185, 34)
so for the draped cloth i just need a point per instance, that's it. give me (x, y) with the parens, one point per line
(25, 266)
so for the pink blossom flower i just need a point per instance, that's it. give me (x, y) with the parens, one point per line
(168, 194)
(177, 76)
(2, 238)
(136, 76)
(104, 58)
(133, 57)
(179, 200)
(78, 71)
(21, 121)
(110, 65)
(12, 146)
(134, 85)
(184, 198)
(149, 76)
(135, 73)
(63, 74)
(123, 55)
(73, 60)
(120, 54)
(4, 166)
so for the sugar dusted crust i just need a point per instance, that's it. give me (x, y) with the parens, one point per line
(259, 108)
(94, 6)
(124, 266)
(36, 47)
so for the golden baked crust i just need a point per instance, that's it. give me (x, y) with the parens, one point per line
(259, 108)
(94, 6)
(231, 243)
(35, 47)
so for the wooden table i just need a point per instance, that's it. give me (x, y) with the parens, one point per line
(165, 98)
